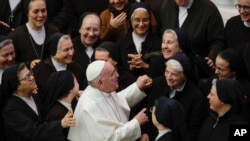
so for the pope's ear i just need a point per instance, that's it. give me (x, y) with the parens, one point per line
(99, 82)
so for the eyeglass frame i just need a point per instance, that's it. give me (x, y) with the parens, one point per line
(27, 76)
(243, 7)
(151, 109)
(90, 29)
(138, 20)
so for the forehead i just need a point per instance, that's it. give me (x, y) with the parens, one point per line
(169, 36)
(172, 70)
(213, 89)
(244, 1)
(101, 55)
(66, 43)
(220, 61)
(7, 47)
(108, 68)
(23, 72)
(37, 4)
(140, 13)
(91, 21)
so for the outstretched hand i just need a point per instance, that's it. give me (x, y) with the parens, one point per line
(144, 82)
(142, 117)
(34, 63)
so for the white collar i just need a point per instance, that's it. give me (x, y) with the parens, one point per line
(163, 132)
(138, 40)
(13, 4)
(65, 104)
(38, 36)
(173, 91)
(29, 101)
(247, 24)
(1, 74)
(181, 88)
(58, 65)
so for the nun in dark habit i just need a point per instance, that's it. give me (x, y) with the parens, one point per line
(60, 91)
(225, 101)
(169, 118)
(21, 114)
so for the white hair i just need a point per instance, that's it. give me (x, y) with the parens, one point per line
(63, 38)
(171, 31)
(138, 9)
(175, 65)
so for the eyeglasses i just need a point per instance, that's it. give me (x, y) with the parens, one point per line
(144, 20)
(151, 109)
(243, 7)
(89, 29)
(27, 76)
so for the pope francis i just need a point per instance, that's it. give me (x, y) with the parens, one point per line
(102, 114)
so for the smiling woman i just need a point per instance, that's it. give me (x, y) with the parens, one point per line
(30, 48)
(21, 109)
(139, 41)
(7, 54)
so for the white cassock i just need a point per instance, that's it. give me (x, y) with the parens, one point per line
(104, 117)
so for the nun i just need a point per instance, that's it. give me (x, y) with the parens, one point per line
(169, 118)
(21, 114)
(61, 52)
(60, 92)
(225, 99)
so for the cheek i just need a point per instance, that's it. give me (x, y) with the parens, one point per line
(84, 34)
(45, 14)
(2, 61)
(133, 25)
(97, 34)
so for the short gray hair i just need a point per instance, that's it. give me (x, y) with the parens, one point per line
(171, 31)
(5, 42)
(175, 65)
(138, 9)
(63, 38)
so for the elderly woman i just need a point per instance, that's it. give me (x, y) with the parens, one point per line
(61, 53)
(225, 102)
(7, 59)
(177, 41)
(88, 40)
(7, 54)
(29, 39)
(177, 85)
(115, 21)
(139, 41)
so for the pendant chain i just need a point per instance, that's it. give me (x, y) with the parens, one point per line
(33, 45)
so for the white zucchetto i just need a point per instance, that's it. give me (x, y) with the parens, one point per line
(94, 69)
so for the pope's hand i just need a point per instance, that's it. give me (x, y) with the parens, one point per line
(144, 82)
